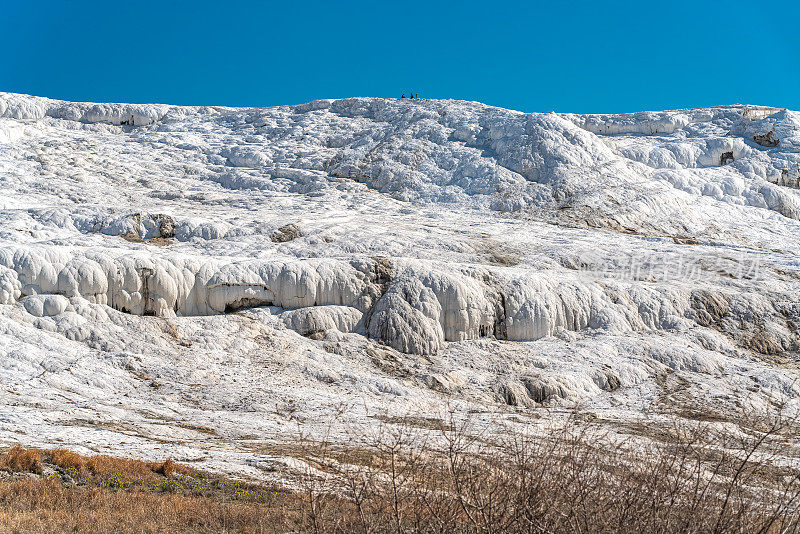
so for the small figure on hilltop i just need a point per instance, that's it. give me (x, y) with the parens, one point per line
(412, 95)
(404, 95)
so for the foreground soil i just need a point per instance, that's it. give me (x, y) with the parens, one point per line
(700, 477)
(60, 491)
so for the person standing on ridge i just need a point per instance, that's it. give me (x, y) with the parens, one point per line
(404, 95)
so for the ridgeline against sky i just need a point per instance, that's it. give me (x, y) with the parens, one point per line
(533, 56)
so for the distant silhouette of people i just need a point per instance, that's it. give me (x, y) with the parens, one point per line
(412, 95)
(404, 95)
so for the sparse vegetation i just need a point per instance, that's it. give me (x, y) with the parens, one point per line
(699, 476)
(99, 494)
(22, 460)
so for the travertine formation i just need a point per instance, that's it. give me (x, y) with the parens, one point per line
(403, 253)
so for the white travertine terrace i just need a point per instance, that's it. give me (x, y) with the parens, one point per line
(205, 264)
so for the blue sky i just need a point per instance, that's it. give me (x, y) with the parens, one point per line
(578, 56)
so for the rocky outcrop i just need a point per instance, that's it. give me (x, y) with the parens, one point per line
(286, 233)
(768, 139)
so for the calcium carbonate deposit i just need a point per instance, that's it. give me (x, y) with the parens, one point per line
(195, 282)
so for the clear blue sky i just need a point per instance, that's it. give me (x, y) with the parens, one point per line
(610, 56)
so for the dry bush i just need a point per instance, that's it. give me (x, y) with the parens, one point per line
(696, 477)
(168, 468)
(102, 465)
(68, 460)
(21, 460)
(704, 477)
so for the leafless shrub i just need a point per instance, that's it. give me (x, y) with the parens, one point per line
(700, 477)
(695, 476)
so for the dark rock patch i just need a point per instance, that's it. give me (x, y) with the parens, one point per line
(286, 233)
(768, 139)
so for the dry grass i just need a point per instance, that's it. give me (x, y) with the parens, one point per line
(124, 467)
(99, 494)
(21, 460)
(46, 506)
(68, 460)
(699, 476)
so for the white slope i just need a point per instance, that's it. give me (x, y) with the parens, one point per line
(445, 255)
